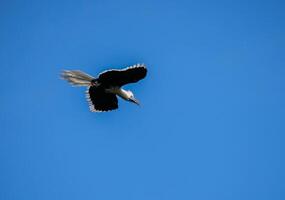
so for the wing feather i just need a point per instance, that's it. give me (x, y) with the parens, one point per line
(100, 101)
(120, 77)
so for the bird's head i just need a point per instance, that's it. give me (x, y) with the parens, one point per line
(132, 98)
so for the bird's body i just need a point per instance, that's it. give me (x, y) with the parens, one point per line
(118, 91)
(102, 91)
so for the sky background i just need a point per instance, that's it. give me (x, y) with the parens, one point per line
(212, 120)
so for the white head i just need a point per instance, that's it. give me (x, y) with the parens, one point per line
(131, 97)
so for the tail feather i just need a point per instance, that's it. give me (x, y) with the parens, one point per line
(77, 78)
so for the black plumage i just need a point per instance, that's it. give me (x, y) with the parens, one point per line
(122, 77)
(99, 100)
(102, 91)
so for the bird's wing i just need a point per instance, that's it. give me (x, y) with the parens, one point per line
(121, 77)
(100, 101)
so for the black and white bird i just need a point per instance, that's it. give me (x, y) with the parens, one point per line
(102, 91)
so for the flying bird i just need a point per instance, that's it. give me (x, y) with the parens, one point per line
(103, 90)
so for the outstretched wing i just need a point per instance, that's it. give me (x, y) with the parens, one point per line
(100, 101)
(121, 77)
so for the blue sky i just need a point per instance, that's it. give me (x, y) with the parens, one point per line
(211, 124)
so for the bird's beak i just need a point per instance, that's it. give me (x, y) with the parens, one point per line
(135, 101)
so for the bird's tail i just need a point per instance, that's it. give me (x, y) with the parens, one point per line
(77, 78)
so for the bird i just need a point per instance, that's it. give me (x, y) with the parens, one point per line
(103, 90)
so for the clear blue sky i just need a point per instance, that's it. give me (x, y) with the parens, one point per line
(212, 120)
